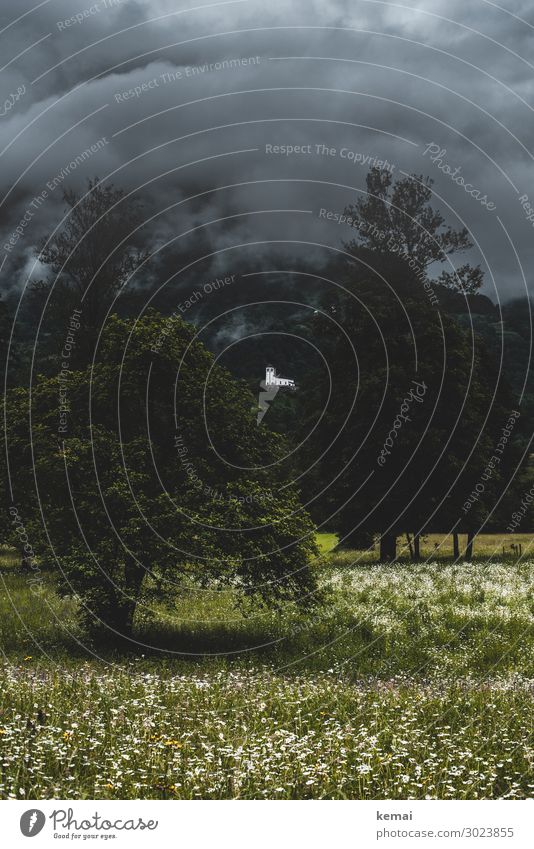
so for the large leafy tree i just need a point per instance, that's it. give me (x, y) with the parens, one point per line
(413, 411)
(397, 218)
(156, 470)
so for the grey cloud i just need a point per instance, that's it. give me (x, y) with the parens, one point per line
(372, 78)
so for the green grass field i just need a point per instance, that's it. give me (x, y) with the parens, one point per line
(326, 542)
(495, 546)
(409, 681)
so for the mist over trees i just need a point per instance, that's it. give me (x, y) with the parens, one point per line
(91, 261)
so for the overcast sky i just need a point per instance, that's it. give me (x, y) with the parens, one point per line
(369, 80)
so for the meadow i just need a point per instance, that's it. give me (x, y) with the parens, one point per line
(412, 680)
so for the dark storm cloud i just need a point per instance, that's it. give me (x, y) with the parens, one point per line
(369, 81)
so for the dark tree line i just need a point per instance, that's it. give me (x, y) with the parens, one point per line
(415, 415)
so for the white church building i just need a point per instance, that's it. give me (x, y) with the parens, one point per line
(272, 379)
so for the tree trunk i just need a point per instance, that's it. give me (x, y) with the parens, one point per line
(117, 615)
(469, 547)
(455, 545)
(121, 621)
(134, 573)
(409, 541)
(417, 546)
(388, 547)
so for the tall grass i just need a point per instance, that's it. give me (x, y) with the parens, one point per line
(153, 732)
(409, 681)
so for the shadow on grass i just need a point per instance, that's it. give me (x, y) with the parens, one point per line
(373, 623)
